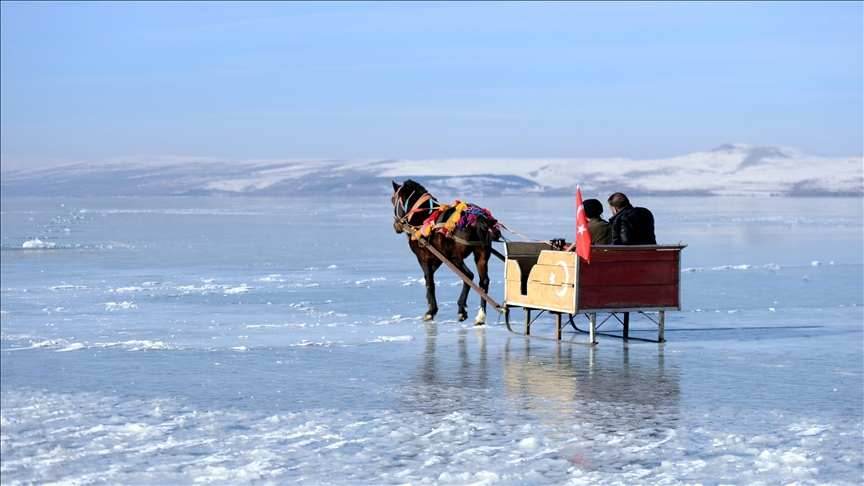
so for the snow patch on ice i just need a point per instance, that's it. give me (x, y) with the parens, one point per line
(732, 267)
(529, 444)
(38, 244)
(113, 306)
(126, 289)
(242, 289)
(390, 339)
(395, 319)
(138, 345)
(69, 287)
(304, 343)
(805, 429)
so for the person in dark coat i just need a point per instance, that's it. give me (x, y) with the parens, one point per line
(599, 229)
(630, 226)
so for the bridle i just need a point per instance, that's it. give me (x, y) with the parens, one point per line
(401, 206)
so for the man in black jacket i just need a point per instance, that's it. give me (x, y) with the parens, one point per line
(630, 226)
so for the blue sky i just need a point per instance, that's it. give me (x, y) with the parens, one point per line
(425, 80)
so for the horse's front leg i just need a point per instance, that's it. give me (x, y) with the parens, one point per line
(481, 259)
(463, 297)
(429, 268)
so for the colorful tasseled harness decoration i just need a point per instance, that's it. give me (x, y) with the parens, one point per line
(447, 219)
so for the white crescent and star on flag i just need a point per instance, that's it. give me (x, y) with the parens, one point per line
(583, 236)
(581, 228)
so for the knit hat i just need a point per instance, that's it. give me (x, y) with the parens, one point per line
(593, 208)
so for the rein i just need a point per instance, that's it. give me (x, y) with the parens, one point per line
(523, 236)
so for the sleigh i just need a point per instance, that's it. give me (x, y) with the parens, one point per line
(620, 280)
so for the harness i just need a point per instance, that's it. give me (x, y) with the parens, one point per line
(442, 217)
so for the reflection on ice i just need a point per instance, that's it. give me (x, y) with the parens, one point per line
(575, 375)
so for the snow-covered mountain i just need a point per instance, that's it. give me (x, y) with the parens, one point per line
(732, 169)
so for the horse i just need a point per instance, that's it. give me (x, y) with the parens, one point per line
(413, 206)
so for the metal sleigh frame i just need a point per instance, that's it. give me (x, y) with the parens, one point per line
(593, 326)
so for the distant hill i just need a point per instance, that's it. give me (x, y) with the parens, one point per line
(732, 169)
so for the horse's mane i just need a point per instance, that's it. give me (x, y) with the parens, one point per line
(413, 186)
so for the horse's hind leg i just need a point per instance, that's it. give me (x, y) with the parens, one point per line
(463, 297)
(481, 259)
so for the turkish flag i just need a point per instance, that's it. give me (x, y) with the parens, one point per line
(583, 237)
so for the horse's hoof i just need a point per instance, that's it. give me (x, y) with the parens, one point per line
(428, 317)
(463, 316)
(479, 323)
(481, 318)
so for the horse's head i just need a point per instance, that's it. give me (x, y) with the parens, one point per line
(409, 204)
(398, 212)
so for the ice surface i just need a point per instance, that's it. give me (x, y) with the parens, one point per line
(243, 342)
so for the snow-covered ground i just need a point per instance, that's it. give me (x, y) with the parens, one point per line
(732, 169)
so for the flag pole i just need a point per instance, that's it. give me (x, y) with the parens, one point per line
(576, 228)
(572, 246)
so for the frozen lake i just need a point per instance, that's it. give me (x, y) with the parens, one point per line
(233, 341)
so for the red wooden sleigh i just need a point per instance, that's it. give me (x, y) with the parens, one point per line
(643, 279)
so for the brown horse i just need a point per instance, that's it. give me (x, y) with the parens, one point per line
(412, 205)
